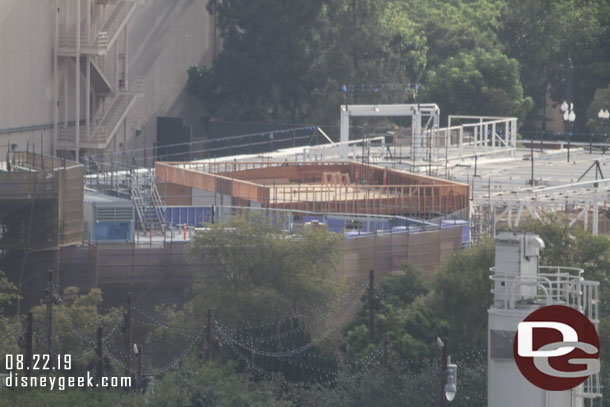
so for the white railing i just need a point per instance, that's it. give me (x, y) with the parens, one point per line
(102, 125)
(106, 69)
(554, 286)
(488, 131)
(103, 32)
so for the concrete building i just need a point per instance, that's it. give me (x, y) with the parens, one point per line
(122, 66)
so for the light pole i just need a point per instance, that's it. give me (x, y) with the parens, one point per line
(448, 373)
(568, 119)
(603, 116)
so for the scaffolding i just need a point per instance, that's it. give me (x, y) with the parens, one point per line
(41, 210)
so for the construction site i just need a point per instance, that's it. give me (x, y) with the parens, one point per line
(122, 221)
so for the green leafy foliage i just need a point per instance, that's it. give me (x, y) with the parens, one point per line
(405, 314)
(286, 61)
(541, 35)
(601, 100)
(462, 295)
(479, 82)
(251, 270)
(10, 328)
(211, 385)
(75, 322)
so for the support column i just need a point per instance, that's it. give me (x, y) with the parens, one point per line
(486, 135)
(126, 59)
(116, 66)
(416, 136)
(461, 140)
(506, 135)
(586, 217)
(88, 75)
(66, 104)
(55, 81)
(88, 95)
(493, 135)
(344, 132)
(492, 208)
(476, 137)
(514, 132)
(595, 220)
(77, 77)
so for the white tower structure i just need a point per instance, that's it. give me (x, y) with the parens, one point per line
(520, 286)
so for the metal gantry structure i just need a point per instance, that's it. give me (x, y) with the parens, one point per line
(91, 43)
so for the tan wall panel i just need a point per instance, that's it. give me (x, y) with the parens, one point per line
(174, 194)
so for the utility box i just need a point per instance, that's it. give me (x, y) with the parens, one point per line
(516, 259)
(107, 219)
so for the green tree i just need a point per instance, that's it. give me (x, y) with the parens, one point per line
(401, 385)
(405, 314)
(211, 385)
(75, 322)
(478, 82)
(262, 72)
(251, 270)
(10, 328)
(465, 275)
(265, 286)
(286, 61)
(542, 34)
(601, 100)
(450, 27)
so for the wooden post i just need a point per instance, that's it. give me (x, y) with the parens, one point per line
(128, 337)
(49, 301)
(139, 369)
(370, 304)
(98, 356)
(28, 345)
(443, 371)
(386, 345)
(207, 355)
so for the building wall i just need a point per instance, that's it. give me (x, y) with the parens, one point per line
(165, 38)
(26, 71)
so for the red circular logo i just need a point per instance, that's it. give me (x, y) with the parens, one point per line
(556, 348)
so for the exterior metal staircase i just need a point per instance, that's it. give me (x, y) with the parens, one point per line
(149, 206)
(103, 55)
(103, 33)
(103, 126)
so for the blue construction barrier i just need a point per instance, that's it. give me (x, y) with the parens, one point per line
(195, 216)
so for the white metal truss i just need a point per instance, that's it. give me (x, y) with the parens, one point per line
(416, 111)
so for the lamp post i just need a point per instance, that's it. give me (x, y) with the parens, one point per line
(603, 116)
(568, 119)
(448, 373)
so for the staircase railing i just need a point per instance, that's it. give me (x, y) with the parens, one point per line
(157, 202)
(137, 198)
(149, 205)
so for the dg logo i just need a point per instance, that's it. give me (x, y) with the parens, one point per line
(556, 348)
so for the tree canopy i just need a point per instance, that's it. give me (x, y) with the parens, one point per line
(251, 269)
(287, 61)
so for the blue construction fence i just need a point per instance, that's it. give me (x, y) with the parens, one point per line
(350, 225)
